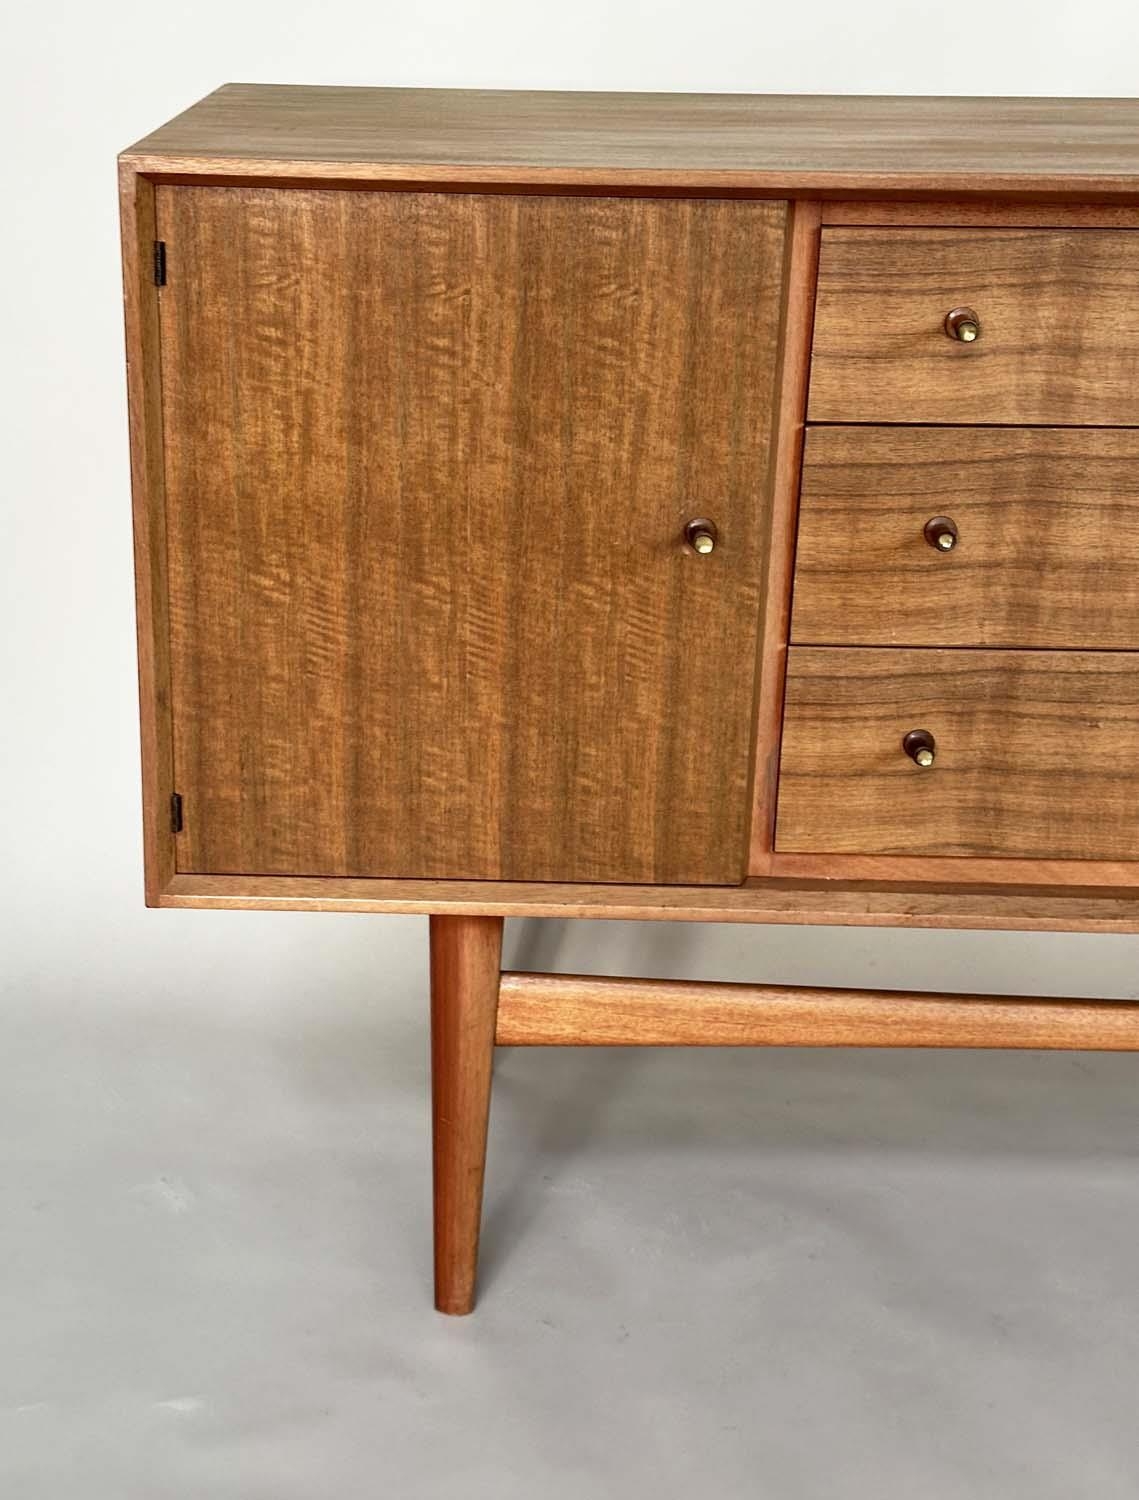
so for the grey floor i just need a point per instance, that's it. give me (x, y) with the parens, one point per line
(722, 1273)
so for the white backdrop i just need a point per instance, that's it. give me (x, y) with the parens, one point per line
(143, 1052)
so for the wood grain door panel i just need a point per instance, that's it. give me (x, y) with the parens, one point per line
(1037, 753)
(1059, 313)
(1048, 538)
(428, 462)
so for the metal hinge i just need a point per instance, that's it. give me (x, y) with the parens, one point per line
(160, 262)
(176, 812)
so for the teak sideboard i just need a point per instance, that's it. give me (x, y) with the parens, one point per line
(647, 506)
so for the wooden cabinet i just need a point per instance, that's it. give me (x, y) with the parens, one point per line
(428, 390)
(648, 507)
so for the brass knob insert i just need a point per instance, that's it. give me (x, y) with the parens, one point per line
(963, 324)
(701, 535)
(921, 747)
(941, 532)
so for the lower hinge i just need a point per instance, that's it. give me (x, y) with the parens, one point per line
(176, 812)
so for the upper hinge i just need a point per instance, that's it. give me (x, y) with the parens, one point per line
(176, 812)
(160, 262)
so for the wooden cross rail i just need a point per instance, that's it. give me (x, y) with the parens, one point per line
(576, 1010)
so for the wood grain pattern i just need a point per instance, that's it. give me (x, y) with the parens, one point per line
(938, 901)
(993, 213)
(144, 406)
(904, 871)
(1059, 343)
(790, 417)
(584, 1011)
(429, 459)
(1037, 753)
(466, 958)
(1048, 549)
(780, 145)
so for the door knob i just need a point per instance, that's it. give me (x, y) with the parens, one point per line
(963, 324)
(921, 747)
(941, 532)
(701, 535)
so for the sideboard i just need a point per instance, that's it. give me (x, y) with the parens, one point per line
(675, 507)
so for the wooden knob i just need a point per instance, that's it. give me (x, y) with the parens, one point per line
(941, 532)
(921, 747)
(701, 535)
(963, 324)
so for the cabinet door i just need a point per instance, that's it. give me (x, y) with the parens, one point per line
(429, 460)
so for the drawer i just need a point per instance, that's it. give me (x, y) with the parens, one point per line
(1045, 538)
(1059, 326)
(1036, 753)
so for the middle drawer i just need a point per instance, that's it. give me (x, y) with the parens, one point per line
(1034, 540)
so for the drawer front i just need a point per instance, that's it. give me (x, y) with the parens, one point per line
(1059, 327)
(1045, 533)
(1036, 754)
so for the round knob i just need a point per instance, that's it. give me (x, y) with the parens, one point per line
(701, 535)
(921, 747)
(941, 532)
(963, 324)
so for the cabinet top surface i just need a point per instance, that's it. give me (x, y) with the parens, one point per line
(773, 143)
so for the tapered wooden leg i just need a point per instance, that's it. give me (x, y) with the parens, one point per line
(466, 960)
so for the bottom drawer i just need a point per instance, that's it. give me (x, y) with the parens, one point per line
(1035, 753)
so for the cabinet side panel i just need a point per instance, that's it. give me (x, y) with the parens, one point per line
(430, 458)
(144, 403)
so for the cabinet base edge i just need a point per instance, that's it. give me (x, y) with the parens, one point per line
(774, 901)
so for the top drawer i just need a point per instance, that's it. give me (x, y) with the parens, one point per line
(1059, 327)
